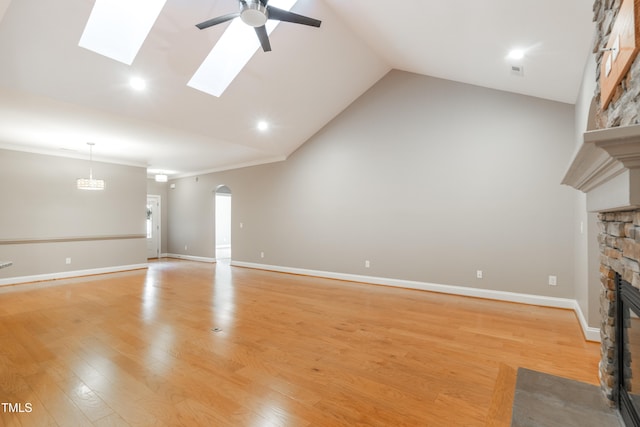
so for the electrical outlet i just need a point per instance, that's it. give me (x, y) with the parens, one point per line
(479, 274)
(185, 247)
(367, 264)
(67, 261)
(553, 281)
(261, 254)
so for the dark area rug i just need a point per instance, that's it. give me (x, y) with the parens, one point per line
(543, 400)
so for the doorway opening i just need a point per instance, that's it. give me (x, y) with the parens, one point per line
(223, 223)
(153, 226)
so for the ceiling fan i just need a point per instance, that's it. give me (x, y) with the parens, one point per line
(255, 13)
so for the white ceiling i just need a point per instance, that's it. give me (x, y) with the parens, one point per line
(56, 96)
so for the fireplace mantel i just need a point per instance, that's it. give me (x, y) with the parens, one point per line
(607, 168)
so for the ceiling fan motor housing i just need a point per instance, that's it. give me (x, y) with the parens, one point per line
(253, 13)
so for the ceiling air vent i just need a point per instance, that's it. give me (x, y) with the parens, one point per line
(517, 70)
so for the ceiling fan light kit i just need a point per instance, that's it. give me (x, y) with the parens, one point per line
(255, 13)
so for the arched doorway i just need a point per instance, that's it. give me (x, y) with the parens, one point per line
(223, 223)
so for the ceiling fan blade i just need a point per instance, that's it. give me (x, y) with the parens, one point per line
(264, 2)
(264, 38)
(283, 15)
(218, 20)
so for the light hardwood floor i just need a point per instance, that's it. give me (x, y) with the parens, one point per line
(187, 343)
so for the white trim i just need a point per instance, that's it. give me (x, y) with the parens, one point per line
(69, 154)
(591, 334)
(606, 167)
(191, 258)
(69, 274)
(158, 199)
(230, 167)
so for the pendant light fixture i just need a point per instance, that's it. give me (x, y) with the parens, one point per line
(90, 183)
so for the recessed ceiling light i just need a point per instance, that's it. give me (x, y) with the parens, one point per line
(263, 126)
(161, 172)
(137, 83)
(516, 54)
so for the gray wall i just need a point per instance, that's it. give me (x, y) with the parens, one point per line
(428, 179)
(586, 252)
(191, 213)
(42, 207)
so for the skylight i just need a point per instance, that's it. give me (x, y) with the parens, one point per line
(231, 53)
(117, 28)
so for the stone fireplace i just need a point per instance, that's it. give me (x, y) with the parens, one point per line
(607, 169)
(620, 253)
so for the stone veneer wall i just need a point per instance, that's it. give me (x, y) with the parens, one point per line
(619, 241)
(624, 108)
(620, 231)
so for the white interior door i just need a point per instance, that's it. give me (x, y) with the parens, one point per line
(153, 226)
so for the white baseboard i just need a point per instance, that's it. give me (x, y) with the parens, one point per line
(591, 334)
(191, 258)
(69, 274)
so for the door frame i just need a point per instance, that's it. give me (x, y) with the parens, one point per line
(157, 213)
(226, 193)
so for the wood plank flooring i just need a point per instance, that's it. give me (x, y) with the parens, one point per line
(196, 344)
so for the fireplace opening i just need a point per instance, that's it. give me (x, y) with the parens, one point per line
(628, 352)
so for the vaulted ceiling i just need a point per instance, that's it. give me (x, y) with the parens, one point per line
(56, 96)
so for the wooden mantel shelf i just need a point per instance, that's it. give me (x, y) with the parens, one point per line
(607, 168)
